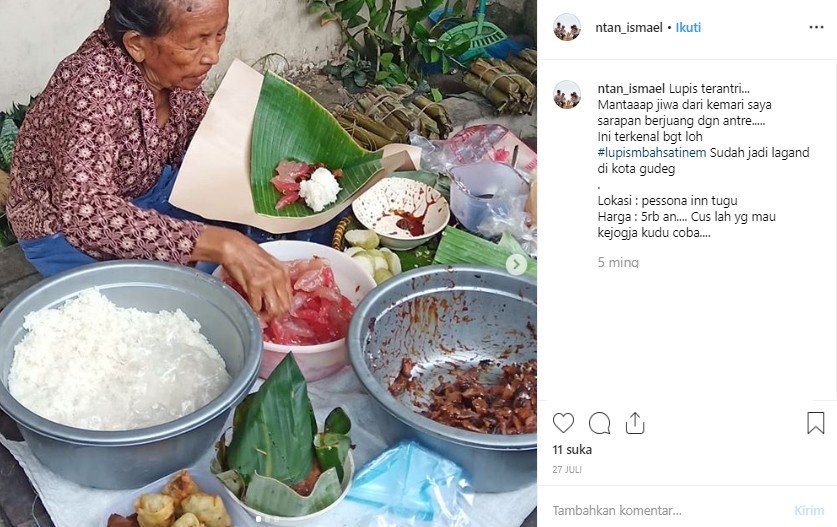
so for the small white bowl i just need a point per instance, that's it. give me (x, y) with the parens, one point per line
(285, 521)
(320, 360)
(378, 210)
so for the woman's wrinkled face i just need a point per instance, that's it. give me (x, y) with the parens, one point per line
(182, 57)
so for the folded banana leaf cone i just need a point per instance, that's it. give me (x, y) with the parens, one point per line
(276, 462)
(255, 121)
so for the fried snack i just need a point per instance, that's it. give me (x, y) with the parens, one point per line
(209, 510)
(115, 520)
(188, 520)
(179, 488)
(155, 510)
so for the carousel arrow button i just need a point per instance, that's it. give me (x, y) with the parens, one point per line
(516, 264)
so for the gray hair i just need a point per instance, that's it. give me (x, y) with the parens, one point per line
(150, 18)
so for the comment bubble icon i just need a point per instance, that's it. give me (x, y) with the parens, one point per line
(600, 423)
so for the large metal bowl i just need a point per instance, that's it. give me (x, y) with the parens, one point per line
(446, 319)
(128, 459)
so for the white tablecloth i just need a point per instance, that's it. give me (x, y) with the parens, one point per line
(70, 505)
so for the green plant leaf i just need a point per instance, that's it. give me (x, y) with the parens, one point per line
(378, 19)
(397, 73)
(386, 59)
(437, 95)
(348, 8)
(457, 45)
(8, 135)
(327, 17)
(331, 69)
(331, 450)
(347, 69)
(421, 31)
(360, 79)
(273, 436)
(356, 21)
(289, 124)
(425, 53)
(316, 7)
(445, 64)
(273, 497)
(435, 55)
(382, 75)
(383, 36)
(337, 422)
(420, 14)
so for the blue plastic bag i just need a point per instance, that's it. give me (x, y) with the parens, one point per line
(410, 485)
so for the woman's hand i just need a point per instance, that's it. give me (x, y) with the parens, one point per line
(264, 278)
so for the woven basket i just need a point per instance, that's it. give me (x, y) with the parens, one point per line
(346, 224)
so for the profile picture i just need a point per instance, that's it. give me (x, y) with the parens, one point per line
(567, 95)
(567, 27)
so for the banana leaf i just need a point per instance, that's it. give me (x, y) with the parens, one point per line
(460, 247)
(274, 429)
(275, 444)
(272, 497)
(290, 125)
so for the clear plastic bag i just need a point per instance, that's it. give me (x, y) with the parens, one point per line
(410, 486)
(508, 216)
(488, 142)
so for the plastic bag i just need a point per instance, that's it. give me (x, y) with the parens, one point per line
(410, 486)
(471, 145)
(507, 216)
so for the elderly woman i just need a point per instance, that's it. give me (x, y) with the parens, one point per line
(94, 161)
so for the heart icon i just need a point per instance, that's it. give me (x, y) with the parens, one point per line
(563, 422)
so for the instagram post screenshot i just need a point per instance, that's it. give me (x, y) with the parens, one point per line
(688, 368)
(275, 262)
(269, 262)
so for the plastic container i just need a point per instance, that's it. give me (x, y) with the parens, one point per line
(474, 187)
(321, 360)
(418, 314)
(132, 458)
(207, 482)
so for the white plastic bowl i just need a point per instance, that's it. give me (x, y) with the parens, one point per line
(208, 483)
(377, 210)
(285, 521)
(321, 360)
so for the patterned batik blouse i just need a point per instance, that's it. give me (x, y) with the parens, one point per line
(90, 145)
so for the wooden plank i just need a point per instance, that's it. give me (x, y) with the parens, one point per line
(16, 274)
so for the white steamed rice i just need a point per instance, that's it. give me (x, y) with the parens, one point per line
(92, 365)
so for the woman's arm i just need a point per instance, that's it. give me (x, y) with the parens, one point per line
(263, 277)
